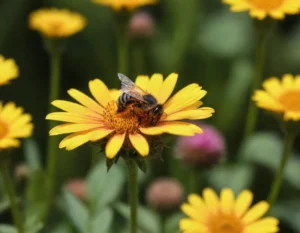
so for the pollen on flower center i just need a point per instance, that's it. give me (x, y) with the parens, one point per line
(266, 4)
(225, 223)
(290, 100)
(3, 129)
(122, 122)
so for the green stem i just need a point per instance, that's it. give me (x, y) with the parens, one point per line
(276, 185)
(193, 180)
(52, 147)
(139, 59)
(162, 222)
(132, 193)
(123, 47)
(258, 74)
(17, 216)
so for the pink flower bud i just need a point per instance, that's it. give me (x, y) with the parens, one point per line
(77, 187)
(164, 194)
(141, 25)
(201, 150)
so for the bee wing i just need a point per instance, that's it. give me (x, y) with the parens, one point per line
(129, 87)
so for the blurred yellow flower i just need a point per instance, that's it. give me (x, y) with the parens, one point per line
(14, 124)
(282, 97)
(125, 4)
(94, 120)
(8, 70)
(260, 9)
(227, 214)
(56, 23)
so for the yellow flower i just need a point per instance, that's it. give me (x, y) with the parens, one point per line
(8, 70)
(281, 97)
(125, 4)
(260, 9)
(226, 215)
(14, 124)
(56, 23)
(92, 120)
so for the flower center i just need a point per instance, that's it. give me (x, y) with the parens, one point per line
(266, 4)
(291, 100)
(121, 121)
(225, 223)
(3, 129)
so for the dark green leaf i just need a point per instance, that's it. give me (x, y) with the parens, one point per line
(172, 223)
(142, 163)
(32, 155)
(148, 221)
(7, 229)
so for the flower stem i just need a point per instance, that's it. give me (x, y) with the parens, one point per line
(162, 223)
(17, 216)
(123, 47)
(276, 185)
(132, 193)
(258, 74)
(52, 147)
(193, 180)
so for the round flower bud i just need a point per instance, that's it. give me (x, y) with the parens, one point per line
(164, 194)
(21, 172)
(77, 187)
(201, 150)
(141, 26)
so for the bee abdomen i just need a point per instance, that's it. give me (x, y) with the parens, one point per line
(124, 98)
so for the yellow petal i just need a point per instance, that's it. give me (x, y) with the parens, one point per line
(142, 82)
(74, 108)
(74, 140)
(114, 145)
(243, 202)
(211, 200)
(70, 117)
(287, 81)
(273, 86)
(172, 127)
(9, 142)
(100, 92)
(256, 212)
(194, 212)
(227, 200)
(139, 143)
(22, 132)
(266, 101)
(167, 88)
(99, 133)
(196, 200)
(72, 128)
(197, 114)
(193, 106)
(21, 121)
(115, 94)
(85, 100)
(268, 224)
(191, 226)
(155, 84)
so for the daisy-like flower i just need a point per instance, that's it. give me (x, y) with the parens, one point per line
(118, 5)
(227, 214)
(260, 9)
(281, 96)
(14, 124)
(8, 70)
(56, 23)
(93, 120)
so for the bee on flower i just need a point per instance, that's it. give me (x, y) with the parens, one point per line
(132, 117)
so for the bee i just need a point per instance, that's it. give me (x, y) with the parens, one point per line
(142, 103)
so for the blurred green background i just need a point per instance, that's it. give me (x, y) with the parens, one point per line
(201, 40)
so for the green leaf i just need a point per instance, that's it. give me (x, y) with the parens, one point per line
(234, 176)
(238, 84)
(32, 154)
(148, 221)
(77, 212)
(102, 222)
(227, 35)
(4, 205)
(33, 226)
(142, 163)
(104, 187)
(288, 211)
(4, 228)
(172, 223)
(265, 149)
